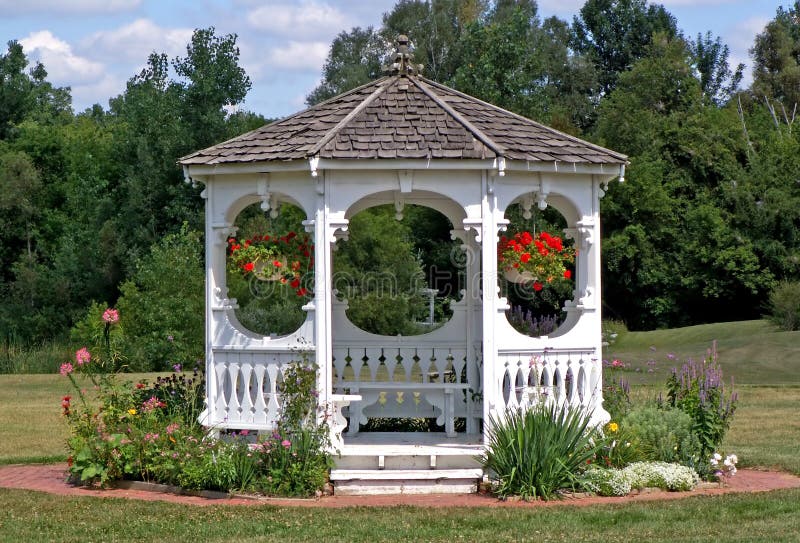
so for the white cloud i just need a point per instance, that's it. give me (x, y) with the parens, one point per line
(562, 8)
(109, 86)
(135, 41)
(309, 19)
(300, 56)
(62, 65)
(64, 7)
(740, 39)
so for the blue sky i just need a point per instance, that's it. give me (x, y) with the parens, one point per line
(95, 46)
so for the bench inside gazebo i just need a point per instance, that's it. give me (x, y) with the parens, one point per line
(405, 140)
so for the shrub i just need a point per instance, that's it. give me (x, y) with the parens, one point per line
(162, 306)
(536, 452)
(698, 391)
(784, 305)
(662, 435)
(616, 396)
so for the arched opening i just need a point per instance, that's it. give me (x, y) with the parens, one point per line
(536, 266)
(399, 271)
(270, 268)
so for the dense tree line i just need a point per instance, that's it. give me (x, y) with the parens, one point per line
(706, 223)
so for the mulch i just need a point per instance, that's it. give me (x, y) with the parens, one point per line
(52, 478)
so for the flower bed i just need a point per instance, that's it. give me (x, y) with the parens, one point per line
(149, 432)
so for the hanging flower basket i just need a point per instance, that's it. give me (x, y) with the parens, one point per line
(285, 259)
(540, 259)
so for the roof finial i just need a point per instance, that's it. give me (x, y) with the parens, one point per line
(402, 64)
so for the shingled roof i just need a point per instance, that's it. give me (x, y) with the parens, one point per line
(404, 116)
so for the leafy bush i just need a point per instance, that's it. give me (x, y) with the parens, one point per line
(618, 448)
(163, 306)
(698, 391)
(150, 432)
(662, 435)
(784, 305)
(620, 482)
(536, 452)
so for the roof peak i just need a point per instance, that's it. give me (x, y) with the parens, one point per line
(402, 64)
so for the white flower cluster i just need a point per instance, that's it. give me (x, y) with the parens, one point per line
(728, 468)
(620, 482)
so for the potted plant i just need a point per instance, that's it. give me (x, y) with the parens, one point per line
(537, 259)
(273, 258)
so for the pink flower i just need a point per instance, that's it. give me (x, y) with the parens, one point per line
(82, 356)
(66, 369)
(172, 427)
(110, 316)
(286, 443)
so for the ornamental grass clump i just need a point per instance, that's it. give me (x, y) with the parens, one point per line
(537, 452)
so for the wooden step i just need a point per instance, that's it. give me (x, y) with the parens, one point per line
(354, 482)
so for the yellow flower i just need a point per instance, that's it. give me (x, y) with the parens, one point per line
(131, 411)
(613, 426)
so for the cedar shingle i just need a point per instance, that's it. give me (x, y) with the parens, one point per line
(422, 120)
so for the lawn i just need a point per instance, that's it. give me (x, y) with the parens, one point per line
(767, 517)
(765, 433)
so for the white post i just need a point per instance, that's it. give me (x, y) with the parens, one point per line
(323, 340)
(488, 241)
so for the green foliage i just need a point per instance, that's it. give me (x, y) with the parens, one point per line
(354, 59)
(776, 58)
(294, 459)
(616, 33)
(375, 269)
(697, 389)
(272, 307)
(162, 305)
(784, 305)
(536, 452)
(664, 435)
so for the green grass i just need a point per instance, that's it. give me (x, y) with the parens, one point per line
(33, 430)
(767, 517)
(43, 358)
(753, 352)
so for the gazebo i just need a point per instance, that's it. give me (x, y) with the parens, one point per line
(403, 139)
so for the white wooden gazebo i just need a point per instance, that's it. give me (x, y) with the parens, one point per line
(399, 140)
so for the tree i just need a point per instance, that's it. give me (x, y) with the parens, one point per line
(776, 57)
(435, 29)
(510, 60)
(616, 33)
(717, 80)
(354, 59)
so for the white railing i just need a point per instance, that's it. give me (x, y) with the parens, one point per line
(563, 376)
(243, 388)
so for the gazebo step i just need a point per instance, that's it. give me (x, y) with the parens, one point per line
(353, 482)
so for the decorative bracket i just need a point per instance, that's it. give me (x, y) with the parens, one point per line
(405, 178)
(475, 225)
(224, 231)
(313, 164)
(338, 225)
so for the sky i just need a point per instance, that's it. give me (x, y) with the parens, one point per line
(95, 46)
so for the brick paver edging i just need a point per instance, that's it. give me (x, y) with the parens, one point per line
(51, 478)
